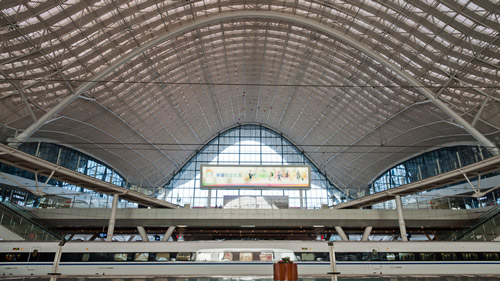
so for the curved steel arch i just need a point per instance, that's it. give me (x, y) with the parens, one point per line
(261, 15)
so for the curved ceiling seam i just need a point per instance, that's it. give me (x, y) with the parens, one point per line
(206, 75)
(277, 77)
(126, 145)
(190, 85)
(338, 131)
(79, 150)
(226, 65)
(104, 132)
(388, 154)
(26, 99)
(447, 144)
(317, 67)
(161, 124)
(155, 77)
(271, 15)
(302, 64)
(259, 92)
(329, 107)
(366, 134)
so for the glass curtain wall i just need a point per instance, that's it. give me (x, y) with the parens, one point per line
(248, 145)
(431, 164)
(428, 165)
(68, 158)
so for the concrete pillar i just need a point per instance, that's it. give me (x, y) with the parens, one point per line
(209, 198)
(301, 198)
(57, 259)
(366, 233)
(143, 234)
(333, 263)
(402, 226)
(341, 232)
(111, 225)
(169, 232)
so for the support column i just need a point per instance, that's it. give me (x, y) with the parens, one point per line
(111, 225)
(402, 226)
(366, 233)
(341, 233)
(209, 198)
(57, 259)
(169, 232)
(333, 263)
(143, 234)
(301, 198)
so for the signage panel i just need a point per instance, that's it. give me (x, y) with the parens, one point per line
(246, 176)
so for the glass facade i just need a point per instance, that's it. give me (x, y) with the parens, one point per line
(431, 164)
(249, 145)
(68, 158)
(428, 165)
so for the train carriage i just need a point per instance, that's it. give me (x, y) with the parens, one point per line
(246, 257)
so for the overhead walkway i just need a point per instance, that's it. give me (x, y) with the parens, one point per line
(479, 168)
(268, 218)
(19, 159)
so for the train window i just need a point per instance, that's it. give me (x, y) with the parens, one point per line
(470, 256)
(71, 257)
(162, 256)
(183, 256)
(141, 256)
(266, 256)
(374, 255)
(307, 256)
(120, 257)
(491, 256)
(406, 256)
(13, 257)
(86, 257)
(391, 256)
(449, 256)
(382, 256)
(34, 255)
(46, 256)
(246, 256)
(201, 256)
(348, 256)
(428, 256)
(101, 257)
(227, 256)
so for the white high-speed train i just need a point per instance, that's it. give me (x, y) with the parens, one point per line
(246, 257)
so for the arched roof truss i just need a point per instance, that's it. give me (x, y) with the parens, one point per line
(348, 81)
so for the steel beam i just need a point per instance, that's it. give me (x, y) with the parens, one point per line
(278, 16)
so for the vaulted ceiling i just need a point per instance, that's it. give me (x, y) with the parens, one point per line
(358, 85)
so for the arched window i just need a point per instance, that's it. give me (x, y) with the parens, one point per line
(249, 145)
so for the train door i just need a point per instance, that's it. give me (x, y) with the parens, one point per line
(375, 260)
(33, 258)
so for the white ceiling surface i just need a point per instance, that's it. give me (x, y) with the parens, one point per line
(217, 67)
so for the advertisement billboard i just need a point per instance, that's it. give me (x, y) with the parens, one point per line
(247, 176)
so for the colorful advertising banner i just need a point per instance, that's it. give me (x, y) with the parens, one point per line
(282, 177)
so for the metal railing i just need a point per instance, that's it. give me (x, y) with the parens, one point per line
(23, 226)
(487, 229)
